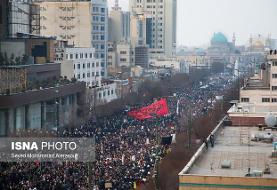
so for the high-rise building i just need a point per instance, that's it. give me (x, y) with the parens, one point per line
(119, 25)
(99, 15)
(67, 21)
(160, 18)
(81, 23)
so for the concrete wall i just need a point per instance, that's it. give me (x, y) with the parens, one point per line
(195, 182)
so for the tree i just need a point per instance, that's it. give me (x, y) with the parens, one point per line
(12, 61)
(17, 61)
(24, 59)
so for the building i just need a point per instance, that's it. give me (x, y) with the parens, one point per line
(34, 97)
(38, 50)
(141, 56)
(99, 15)
(175, 66)
(99, 95)
(18, 17)
(119, 25)
(67, 20)
(160, 22)
(47, 108)
(81, 64)
(81, 23)
(258, 95)
(236, 161)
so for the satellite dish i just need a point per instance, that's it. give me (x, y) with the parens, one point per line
(270, 120)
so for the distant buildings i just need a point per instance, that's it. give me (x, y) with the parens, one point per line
(258, 95)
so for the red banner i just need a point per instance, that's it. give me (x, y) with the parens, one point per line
(158, 108)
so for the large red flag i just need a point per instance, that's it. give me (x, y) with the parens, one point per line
(158, 108)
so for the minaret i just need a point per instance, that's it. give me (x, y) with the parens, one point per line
(250, 42)
(234, 39)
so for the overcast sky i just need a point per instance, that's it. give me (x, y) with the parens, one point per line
(197, 20)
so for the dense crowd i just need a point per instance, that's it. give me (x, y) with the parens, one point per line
(126, 149)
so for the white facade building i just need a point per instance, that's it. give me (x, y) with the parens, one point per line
(160, 17)
(99, 25)
(85, 66)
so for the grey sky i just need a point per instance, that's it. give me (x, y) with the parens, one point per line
(197, 20)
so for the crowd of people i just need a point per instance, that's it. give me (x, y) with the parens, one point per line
(126, 149)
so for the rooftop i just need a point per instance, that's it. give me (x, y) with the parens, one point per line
(232, 145)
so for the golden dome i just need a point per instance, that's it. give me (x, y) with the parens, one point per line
(258, 44)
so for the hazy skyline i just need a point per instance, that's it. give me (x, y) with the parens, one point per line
(197, 20)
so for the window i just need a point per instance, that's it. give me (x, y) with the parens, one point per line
(102, 28)
(97, 64)
(79, 76)
(108, 92)
(265, 99)
(76, 56)
(102, 10)
(93, 65)
(104, 94)
(86, 55)
(92, 74)
(88, 65)
(90, 55)
(274, 75)
(123, 59)
(102, 37)
(111, 91)
(84, 66)
(123, 52)
(244, 99)
(71, 56)
(78, 66)
(66, 56)
(88, 75)
(84, 75)
(102, 19)
(102, 64)
(102, 46)
(274, 100)
(274, 63)
(100, 94)
(274, 87)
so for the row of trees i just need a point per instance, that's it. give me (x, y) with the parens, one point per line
(149, 90)
(5, 60)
